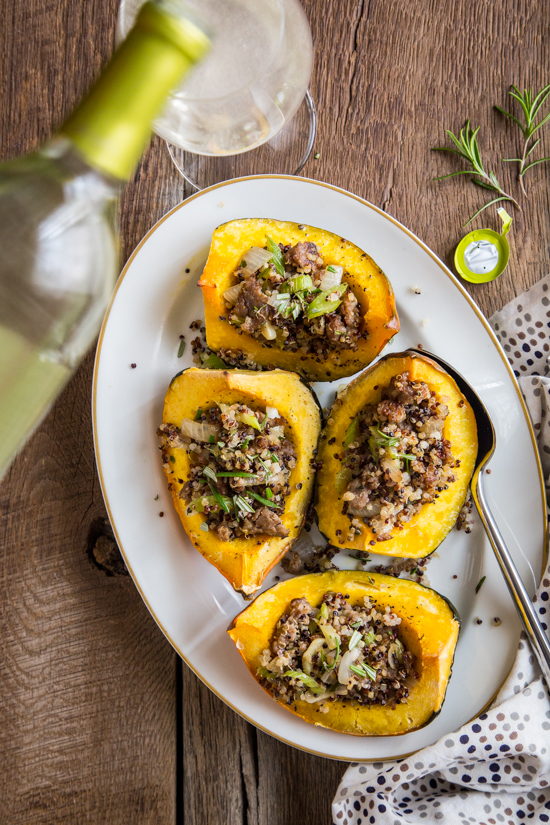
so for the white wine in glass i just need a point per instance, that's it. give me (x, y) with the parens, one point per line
(250, 84)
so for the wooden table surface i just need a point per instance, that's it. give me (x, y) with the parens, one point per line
(99, 720)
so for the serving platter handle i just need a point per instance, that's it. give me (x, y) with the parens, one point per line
(524, 605)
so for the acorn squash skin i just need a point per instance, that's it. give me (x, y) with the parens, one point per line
(367, 281)
(429, 628)
(427, 529)
(245, 562)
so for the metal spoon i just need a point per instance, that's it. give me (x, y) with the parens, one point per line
(486, 447)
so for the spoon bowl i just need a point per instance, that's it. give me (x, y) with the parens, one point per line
(486, 448)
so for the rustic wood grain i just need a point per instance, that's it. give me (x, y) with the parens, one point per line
(97, 721)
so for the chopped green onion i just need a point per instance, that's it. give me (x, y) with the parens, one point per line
(274, 458)
(298, 284)
(330, 268)
(355, 625)
(265, 673)
(321, 305)
(214, 362)
(249, 419)
(370, 578)
(323, 611)
(351, 433)
(198, 415)
(237, 474)
(480, 583)
(306, 680)
(336, 655)
(221, 444)
(246, 442)
(369, 638)
(243, 264)
(268, 493)
(263, 500)
(204, 526)
(354, 640)
(209, 473)
(341, 479)
(263, 423)
(359, 670)
(181, 348)
(211, 439)
(173, 459)
(276, 256)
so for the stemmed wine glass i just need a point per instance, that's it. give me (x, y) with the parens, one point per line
(246, 108)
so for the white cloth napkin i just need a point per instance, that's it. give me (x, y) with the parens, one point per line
(495, 769)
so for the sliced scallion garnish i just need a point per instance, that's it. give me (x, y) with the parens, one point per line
(265, 501)
(204, 526)
(276, 256)
(324, 303)
(306, 680)
(354, 639)
(369, 638)
(181, 348)
(198, 414)
(209, 473)
(351, 433)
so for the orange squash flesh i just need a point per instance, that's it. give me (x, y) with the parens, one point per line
(366, 280)
(429, 629)
(427, 528)
(245, 562)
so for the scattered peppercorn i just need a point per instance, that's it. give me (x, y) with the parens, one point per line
(133, 366)
(488, 472)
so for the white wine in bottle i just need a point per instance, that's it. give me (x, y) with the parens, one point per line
(58, 246)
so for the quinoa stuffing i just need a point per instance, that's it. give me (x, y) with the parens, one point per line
(285, 296)
(395, 459)
(241, 459)
(351, 653)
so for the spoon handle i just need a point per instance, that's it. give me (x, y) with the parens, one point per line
(524, 605)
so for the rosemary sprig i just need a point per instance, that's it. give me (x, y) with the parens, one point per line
(530, 107)
(467, 148)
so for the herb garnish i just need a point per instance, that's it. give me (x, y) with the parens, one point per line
(480, 583)
(198, 414)
(181, 348)
(530, 107)
(467, 148)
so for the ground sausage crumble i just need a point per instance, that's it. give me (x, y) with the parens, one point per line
(273, 303)
(351, 653)
(396, 460)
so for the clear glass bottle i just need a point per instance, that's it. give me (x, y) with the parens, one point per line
(58, 247)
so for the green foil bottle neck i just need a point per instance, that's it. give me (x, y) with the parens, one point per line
(111, 127)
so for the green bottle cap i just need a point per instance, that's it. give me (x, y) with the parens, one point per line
(482, 255)
(112, 125)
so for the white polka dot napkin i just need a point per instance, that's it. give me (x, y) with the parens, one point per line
(497, 768)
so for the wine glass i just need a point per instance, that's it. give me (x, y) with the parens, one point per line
(245, 109)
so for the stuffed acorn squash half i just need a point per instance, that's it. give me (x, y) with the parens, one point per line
(356, 652)
(296, 297)
(237, 448)
(397, 456)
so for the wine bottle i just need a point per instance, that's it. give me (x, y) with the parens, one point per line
(58, 245)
